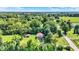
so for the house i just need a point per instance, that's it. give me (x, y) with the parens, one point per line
(26, 35)
(40, 36)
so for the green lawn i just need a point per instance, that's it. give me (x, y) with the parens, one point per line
(8, 38)
(73, 37)
(72, 19)
(61, 41)
(31, 37)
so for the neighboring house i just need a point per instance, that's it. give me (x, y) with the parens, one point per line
(40, 36)
(26, 35)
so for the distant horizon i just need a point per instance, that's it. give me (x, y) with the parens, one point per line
(39, 9)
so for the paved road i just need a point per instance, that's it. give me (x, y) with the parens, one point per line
(72, 45)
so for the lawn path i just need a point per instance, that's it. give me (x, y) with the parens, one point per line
(72, 45)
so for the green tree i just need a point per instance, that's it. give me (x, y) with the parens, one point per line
(76, 29)
(52, 26)
(35, 25)
(59, 33)
(69, 24)
(65, 27)
(49, 38)
(68, 48)
(59, 48)
(46, 29)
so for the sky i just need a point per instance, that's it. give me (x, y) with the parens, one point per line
(39, 9)
(39, 3)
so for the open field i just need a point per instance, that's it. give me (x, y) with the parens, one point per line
(72, 19)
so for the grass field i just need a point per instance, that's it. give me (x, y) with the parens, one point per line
(61, 41)
(74, 37)
(8, 38)
(72, 19)
(31, 37)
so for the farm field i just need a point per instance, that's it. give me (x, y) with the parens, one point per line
(72, 19)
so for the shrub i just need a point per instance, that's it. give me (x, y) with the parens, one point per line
(59, 48)
(59, 33)
(67, 48)
(48, 38)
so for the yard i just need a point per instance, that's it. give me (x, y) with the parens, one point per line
(8, 38)
(74, 37)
